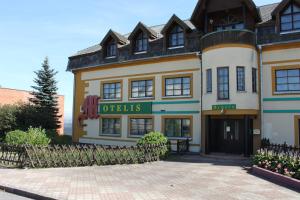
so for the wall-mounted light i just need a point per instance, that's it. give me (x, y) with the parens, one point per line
(211, 21)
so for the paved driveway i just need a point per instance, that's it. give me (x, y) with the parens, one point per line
(189, 178)
(7, 196)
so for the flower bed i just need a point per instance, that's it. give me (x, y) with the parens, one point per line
(280, 159)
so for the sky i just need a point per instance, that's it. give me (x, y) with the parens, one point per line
(33, 29)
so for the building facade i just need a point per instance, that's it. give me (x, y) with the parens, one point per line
(10, 96)
(224, 79)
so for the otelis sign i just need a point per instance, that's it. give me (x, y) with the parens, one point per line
(90, 108)
(126, 108)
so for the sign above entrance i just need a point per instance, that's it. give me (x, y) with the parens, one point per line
(125, 108)
(224, 107)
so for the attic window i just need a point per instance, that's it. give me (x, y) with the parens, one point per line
(141, 42)
(290, 18)
(111, 49)
(176, 37)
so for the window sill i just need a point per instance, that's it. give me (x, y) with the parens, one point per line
(110, 100)
(286, 93)
(180, 138)
(140, 52)
(177, 97)
(176, 47)
(241, 92)
(142, 98)
(223, 100)
(109, 135)
(135, 136)
(110, 57)
(289, 32)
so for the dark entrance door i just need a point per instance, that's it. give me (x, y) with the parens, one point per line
(227, 136)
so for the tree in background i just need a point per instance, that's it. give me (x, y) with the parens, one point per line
(45, 97)
(8, 120)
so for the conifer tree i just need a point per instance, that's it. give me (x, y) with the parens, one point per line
(45, 97)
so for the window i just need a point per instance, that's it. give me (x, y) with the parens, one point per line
(254, 80)
(290, 18)
(228, 23)
(112, 91)
(240, 78)
(237, 26)
(142, 89)
(140, 126)
(179, 86)
(111, 49)
(176, 37)
(287, 80)
(141, 42)
(208, 81)
(111, 126)
(178, 127)
(223, 83)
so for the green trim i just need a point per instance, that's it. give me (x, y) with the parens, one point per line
(281, 111)
(174, 102)
(282, 99)
(174, 112)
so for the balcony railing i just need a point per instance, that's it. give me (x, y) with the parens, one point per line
(228, 37)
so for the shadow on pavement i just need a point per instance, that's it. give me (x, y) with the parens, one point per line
(214, 159)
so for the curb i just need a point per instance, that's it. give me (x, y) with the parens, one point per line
(24, 193)
(277, 178)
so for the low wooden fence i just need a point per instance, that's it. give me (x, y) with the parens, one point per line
(77, 155)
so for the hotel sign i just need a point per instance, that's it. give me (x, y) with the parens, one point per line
(224, 107)
(125, 108)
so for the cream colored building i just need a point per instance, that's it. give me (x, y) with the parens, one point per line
(223, 80)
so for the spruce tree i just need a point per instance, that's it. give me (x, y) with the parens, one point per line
(45, 97)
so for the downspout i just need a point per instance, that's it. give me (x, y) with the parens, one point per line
(261, 91)
(201, 100)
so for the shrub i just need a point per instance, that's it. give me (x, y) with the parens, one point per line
(15, 137)
(153, 138)
(59, 139)
(156, 138)
(34, 136)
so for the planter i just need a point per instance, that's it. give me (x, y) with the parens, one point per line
(277, 178)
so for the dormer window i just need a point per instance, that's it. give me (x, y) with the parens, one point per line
(176, 37)
(141, 42)
(111, 49)
(290, 18)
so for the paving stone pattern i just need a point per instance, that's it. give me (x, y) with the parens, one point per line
(184, 179)
(8, 196)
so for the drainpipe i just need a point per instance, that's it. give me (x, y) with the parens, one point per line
(261, 90)
(201, 99)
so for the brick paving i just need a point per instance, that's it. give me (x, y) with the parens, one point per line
(190, 178)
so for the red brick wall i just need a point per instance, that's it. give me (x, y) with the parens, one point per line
(12, 96)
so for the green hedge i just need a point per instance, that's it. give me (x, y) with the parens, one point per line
(34, 136)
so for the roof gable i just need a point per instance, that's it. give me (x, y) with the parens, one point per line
(175, 19)
(281, 6)
(142, 27)
(116, 36)
(202, 6)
